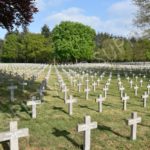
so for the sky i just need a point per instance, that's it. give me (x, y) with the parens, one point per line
(112, 16)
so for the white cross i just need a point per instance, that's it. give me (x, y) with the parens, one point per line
(100, 100)
(79, 86)
(128, 79)
(87, 90)
(70, 101)
(136, 78)
(13, 135)
(133, 123)
(141, 82)
(131, 83)
(23, 84)
(148, 88)
(144, 97)
(33, 103)
(87, 127)
(124, 99)
(94, 86)
(65, 90)
(105, 91)
(87, 81)
(12, 88)
(122, 89)
(136, 88)
(98, 80)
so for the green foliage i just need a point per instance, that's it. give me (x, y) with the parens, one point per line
(45, 31)
(28, 47)
(73, 42)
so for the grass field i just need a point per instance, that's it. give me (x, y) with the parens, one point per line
(54, 129)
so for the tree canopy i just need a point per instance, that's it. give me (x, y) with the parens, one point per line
(142, 18)
(16, 13)
(73, 41)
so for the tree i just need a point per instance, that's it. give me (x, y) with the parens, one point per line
(16, 13)
(10, 47)
(73, 42)
(45, 31)
(143, 14)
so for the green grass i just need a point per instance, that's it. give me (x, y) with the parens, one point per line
(54, 129)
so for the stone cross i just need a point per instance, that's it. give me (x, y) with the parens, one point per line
(121, 90)
(141, 82)
(79, 86)
(131, 83)
(148, 88)
(87, 81)
(124, 99)
(94, 86)
(65, 90)
(136, 89)
(136, 78)
(23, 84)
(12, 89)
(100, 100)
(70, 101)
(105, 89)
(128, 78)
(33, 103)
(133, 123)
(98, 80)
(87, 90)
(144, 97)
(87, 127)
(13, 135)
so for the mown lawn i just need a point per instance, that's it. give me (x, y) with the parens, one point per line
(54, 129)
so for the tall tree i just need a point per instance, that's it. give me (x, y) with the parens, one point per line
(143, 15)
(45, 31)
(73, 41)
(16, 13)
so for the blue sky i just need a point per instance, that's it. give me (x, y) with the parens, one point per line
(112, 16)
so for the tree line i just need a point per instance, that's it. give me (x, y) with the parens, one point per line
(71, 42)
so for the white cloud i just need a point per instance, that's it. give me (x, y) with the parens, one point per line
(44, 4)
(122, 8)
(73, 14)
(119, 21)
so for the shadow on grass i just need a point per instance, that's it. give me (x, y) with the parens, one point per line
(65, 134)
(105, 128)
(60, 109)
(58, 97)
(84, 106)
(5, 145)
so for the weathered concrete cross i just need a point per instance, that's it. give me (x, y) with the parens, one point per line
(136, 89)
(100, 100)
(105, 89)
(87, 127)
(33, 103)
(70, 101)
(65, 90)
(124, 99)
(87, 90)
(12, 88)
(133, 123)
(144, 97)
(94, 85)
(13, 135)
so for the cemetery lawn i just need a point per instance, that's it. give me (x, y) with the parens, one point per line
(54, 129)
